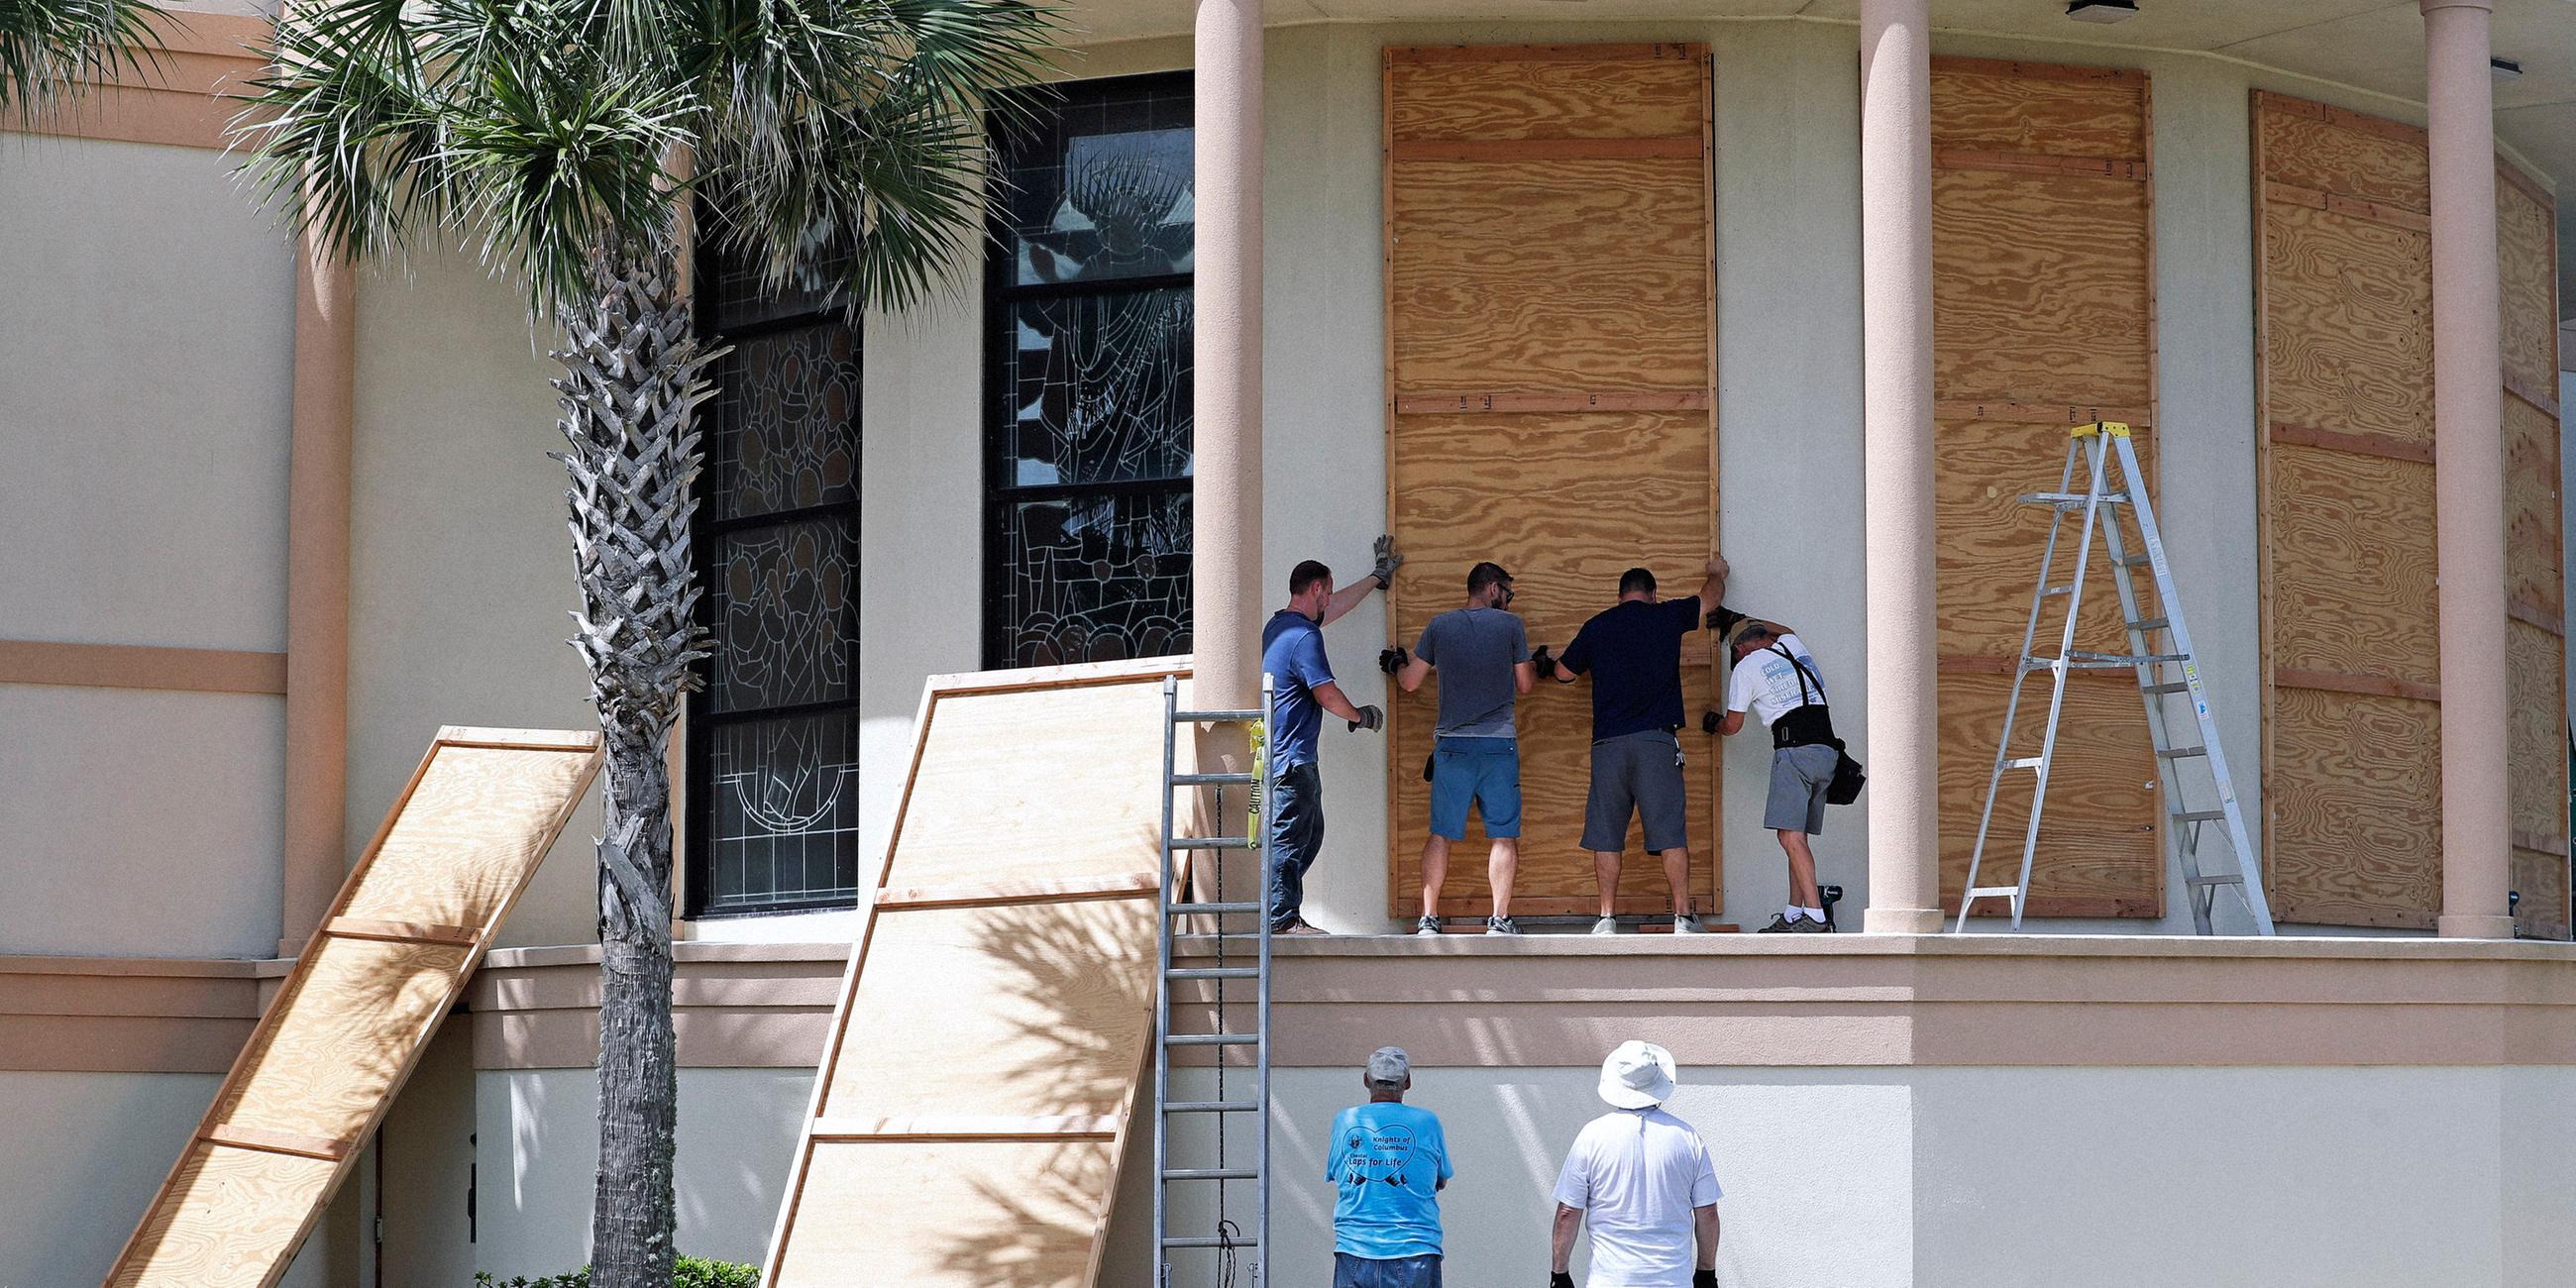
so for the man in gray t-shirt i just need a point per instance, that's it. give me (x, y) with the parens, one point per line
(1482, 654)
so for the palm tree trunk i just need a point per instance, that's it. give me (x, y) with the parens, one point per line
(632, 377)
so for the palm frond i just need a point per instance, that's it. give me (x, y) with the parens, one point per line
(51, 50)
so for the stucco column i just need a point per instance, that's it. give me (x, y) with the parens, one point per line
(317, 592)
(2468, 497)
(1896, 472)
(1225, 490)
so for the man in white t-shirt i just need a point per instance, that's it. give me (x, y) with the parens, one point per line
(1776, 679)
(1641, 1179)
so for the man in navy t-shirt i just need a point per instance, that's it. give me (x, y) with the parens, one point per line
(1632, 650)
(1302, 690)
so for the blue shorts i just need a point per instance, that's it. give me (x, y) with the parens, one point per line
(1484, 771)
(1400, 1272)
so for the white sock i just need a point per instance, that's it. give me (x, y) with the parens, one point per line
(1816, 915)
(1792, 911)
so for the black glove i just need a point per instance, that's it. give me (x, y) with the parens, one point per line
(1560, 1279)
(1544, 661)
(1387, 562)
(1371, 719)
(1393, 660)
(1704, 1279)
(1723, 619)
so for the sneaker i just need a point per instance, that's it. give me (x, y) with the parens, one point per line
(1299, 927)
(1426, 925)
(1782, 925)
(1687, 925)
(1501, 926)
(1606, 926)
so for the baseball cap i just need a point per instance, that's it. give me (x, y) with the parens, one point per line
(1389, 1067)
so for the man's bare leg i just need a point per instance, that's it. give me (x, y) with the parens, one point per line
(1802, 869)
(1605, 869)
(1435, 872)
(1677, 871)
(1500, 867)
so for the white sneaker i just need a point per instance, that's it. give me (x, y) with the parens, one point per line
(1606, 926)
(1687, 925)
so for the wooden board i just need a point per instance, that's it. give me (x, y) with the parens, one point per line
(388, 963)
(2535, 556)
(2044, 314)
(1551, 353)
(972, 1107)
(2351, 639)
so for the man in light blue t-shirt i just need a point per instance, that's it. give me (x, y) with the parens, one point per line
(1389, 1161)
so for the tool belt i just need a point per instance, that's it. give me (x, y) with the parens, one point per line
(1807, 726)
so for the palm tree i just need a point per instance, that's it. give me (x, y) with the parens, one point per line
(831, 143)
(53, 49)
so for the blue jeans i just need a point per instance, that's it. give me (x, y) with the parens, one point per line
(1296, 837)
(1402, 1272)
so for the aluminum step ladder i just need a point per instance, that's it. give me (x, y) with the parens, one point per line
(2165, 671)
(1228, 943)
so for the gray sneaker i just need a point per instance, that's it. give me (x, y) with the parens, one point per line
(1782, 925)
(1501, 926)
(1606, 926)
(1427, 925)
(1687, 925)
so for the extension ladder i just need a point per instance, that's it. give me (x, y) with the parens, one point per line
(2097, 446)
(1220, 956)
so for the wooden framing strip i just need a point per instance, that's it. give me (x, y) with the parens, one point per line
(969, 1127)
(2040, 413)
(2540, 842)
(1125, 886)
(2040, 163)
(1431, 404)
(2343, 118)
(2384, 686)
(1632, 53)
(1684, 147)
(399, 932)
(2530, 187)
(2379, 445)
(2540, 399)
(2378, 212)
(2534, 615)
(2040, 71)
(269, 1140)
(141, 666)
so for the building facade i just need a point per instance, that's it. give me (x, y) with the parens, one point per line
(279, 522)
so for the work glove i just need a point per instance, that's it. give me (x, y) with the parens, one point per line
(1371, 719)
(1723, 619)
(1393, 660)
(1387, 562)
(1704, 1279)
(1560, 1279)
(1544, 661)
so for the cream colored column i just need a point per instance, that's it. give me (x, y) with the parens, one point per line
(1225, 496)
(317, 592)
(2468, 496)
(1896, 487)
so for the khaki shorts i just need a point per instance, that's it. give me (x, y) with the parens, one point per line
(1799, 776)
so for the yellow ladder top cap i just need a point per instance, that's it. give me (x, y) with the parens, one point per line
(2113, 428)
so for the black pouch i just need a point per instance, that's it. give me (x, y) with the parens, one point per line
(1848, 778)
(1426, 765)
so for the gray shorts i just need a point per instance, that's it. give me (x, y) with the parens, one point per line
(1639, 774)
(1799, 776)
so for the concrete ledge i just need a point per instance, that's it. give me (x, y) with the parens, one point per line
(127, 1014)
(733, 1005)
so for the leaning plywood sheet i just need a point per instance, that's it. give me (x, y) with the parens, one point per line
(2535, 598)
(2044, 307)
(389, 961)
(969, 1114)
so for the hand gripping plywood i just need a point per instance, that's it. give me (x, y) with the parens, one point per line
(969, 1116)
(387, 964)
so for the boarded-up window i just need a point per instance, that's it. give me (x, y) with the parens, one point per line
(2535, 595)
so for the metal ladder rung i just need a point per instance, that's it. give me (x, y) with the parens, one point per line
(2071, 500)
(1995, 892)
(1209, 909)
(2134, 561)
(2177, 753)
(1211, 1039)
(1215, 717)
(2066, 589)
(2124, 659)
(1210, 1107)
(1205, 1241)
(2198, 815)
(1211, 780)
(2173, 686)
(2023, 762)
(2223, 878)
(1210, 1174)
(2151, 624)
(1213, 843)
(1214, 972)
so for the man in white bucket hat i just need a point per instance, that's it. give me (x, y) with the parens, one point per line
(1642, 1180)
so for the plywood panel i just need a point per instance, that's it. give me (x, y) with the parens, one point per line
(2332, 150)
(1992, 543)
(1999, 107)
(2355, 803)
(2526, 245)
(987, 804)
(1550, 275)
(2536, 684)
(1571, 97)
(2352, 573)
(2532, 516)
(1047, 1002)
(1026, 1214)
(361, 1004)
(1023, 785)
(2348, 323)
(2099, 854)
(2039, 287)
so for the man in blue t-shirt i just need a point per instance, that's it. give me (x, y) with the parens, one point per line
(1388, 1162)
(1302, 690)
(1633, 652)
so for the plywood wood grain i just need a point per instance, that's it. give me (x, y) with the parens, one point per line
(2532, 515)
(2526, 246)
(1550, 275)
(2355, 803)
(2348, 323)
(354, 1015)
(1992, 544)
(1021, 1214)
(2099, 853)
(2040, 288)
(2352, 573)
(999, 794)
(2538, 730)
(2332, 150)
(1994, 107)
(1547, 98)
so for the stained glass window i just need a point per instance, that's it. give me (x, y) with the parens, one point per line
(774, 735)
(1088, 306)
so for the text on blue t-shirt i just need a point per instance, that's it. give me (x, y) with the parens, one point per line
(1386, 1162)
